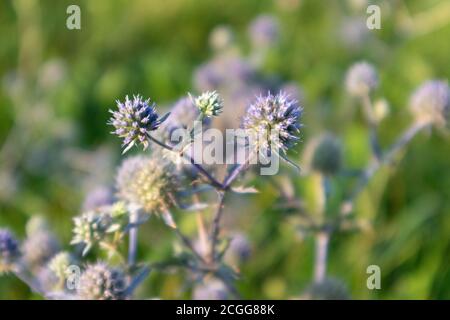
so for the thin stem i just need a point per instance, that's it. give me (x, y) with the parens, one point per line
(133, 237)
(188, 244)
(375, 164)
(373, 126)
(216, 184)
(215, 229)
(320, 265)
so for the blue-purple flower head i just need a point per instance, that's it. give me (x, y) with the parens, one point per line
(264, 31)
(134, 120)
(431, 102)
(275, 121)
(9, 249)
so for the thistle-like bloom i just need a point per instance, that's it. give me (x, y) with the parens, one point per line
(274, 121)
(362, 78)
(134, 120)
(100, 282)
(39, 247)
(90, 228)
(431, 102)
(327, 155)
(59, 265)
(209, 103)
(147, 182)
(328, 289)
(264, 31)
(210, 290)
(9, 250)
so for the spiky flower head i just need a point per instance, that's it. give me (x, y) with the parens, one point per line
(209, 103)
(264, 31)
(328, 289)
(100, 282)
(431, 102)
(211, 289)
(90, 228)
(362, 78)
(326, 154)
(59, 265)
(39, 247)
(274, 121)
(134, 120)
(9, 250)
(148, 182)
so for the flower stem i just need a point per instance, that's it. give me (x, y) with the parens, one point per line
(133, 237)
(321, 247)
(216, 184)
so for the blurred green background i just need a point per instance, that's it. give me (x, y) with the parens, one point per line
(58, 84)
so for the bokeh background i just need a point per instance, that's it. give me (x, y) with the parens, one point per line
(58, 84)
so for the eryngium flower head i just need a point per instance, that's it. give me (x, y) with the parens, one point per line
(328, 289)
(264, 31)
(134, 120)
(147, 182)
(274, 120)
(90, 228)
(361, 79)
(9, 250)
(209, 103)
(431, 102)
(100, 282)
(211, 289)
(59, 265)
(39, 247)
(327, 155)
